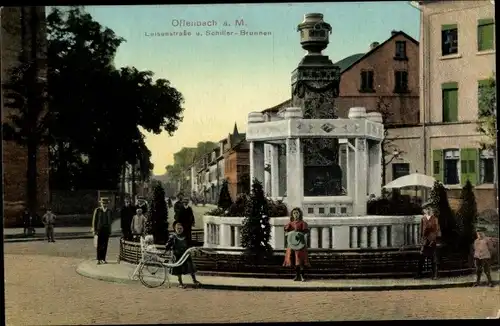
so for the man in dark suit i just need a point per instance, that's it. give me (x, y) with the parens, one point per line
(126, 214)
(178, 206)
(142, 204)
(429, 231)
(101, 226)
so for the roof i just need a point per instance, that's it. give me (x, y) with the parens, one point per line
(278, 107)
(346, 64)
(394, 34)
(348, 61)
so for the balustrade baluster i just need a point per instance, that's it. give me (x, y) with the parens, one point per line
(364, 237)
(325, 238)
(383, 236)
(237, 236)
(374, 237)
(314, 238)
(354, 237)
(415, 233)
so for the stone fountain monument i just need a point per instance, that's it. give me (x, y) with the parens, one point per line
(332, 164)
(315, 85)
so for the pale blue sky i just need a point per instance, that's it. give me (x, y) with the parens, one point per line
(223, 78)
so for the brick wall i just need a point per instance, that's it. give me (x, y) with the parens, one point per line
(14, 156)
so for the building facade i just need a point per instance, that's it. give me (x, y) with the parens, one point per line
(387, 73)
(16, 35)
(458, 55)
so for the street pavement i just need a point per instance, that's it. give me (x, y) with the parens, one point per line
(17, 234)
(43, 288)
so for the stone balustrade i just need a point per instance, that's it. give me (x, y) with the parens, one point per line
(337, 233)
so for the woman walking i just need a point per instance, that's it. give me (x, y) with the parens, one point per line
(296, 251)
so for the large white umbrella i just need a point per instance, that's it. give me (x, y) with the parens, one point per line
(412, 180)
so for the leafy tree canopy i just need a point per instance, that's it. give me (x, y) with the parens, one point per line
(98, 111)
(487, 112)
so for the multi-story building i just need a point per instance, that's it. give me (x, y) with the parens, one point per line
(16, 34)
(385, 78)
(237, 163)
(457, 54)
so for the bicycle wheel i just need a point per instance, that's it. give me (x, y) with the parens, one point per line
(152, 274)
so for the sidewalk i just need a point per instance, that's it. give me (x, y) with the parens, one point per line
(122, 272)
(80, 232)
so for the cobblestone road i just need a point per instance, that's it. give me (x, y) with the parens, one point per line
(42, 287)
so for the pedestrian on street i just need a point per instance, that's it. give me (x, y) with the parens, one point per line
(185, 216)
(138, 225)
(27, 222)
(429, 229)
(49, 220)
(483, 247)
(296, 251)
(142, 204)
(178, 206)
(126, 214)
(101, 225)
(178, 243)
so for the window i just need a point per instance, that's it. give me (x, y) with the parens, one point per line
(468, 165)
(449, 39)
(400, 50)
(451, 167)
(401, 81)
(450, 101)
(485, 34)
(400, 170)
(486, 167)
(367, 81)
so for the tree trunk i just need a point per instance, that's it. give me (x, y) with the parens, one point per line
(33, 103)
(122, 184)
(133, 182)
(31, 176)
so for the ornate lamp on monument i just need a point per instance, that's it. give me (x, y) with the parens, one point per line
(315, 85)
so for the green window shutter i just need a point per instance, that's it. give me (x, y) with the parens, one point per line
(448, 27)
(450, 85)
(485, 21)
(473, 165)
(485, 35)
(437, 165)
(464, 161)
(450, 101)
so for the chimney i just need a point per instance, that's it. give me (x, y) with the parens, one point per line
(374, 45)
(393, 32)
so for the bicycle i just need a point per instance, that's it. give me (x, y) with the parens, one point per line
(153, 271)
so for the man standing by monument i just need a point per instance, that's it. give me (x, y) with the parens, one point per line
(126, 214)
(178, 206)
(429, 230)
(101, 225)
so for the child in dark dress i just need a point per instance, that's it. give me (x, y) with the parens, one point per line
(178, 243)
